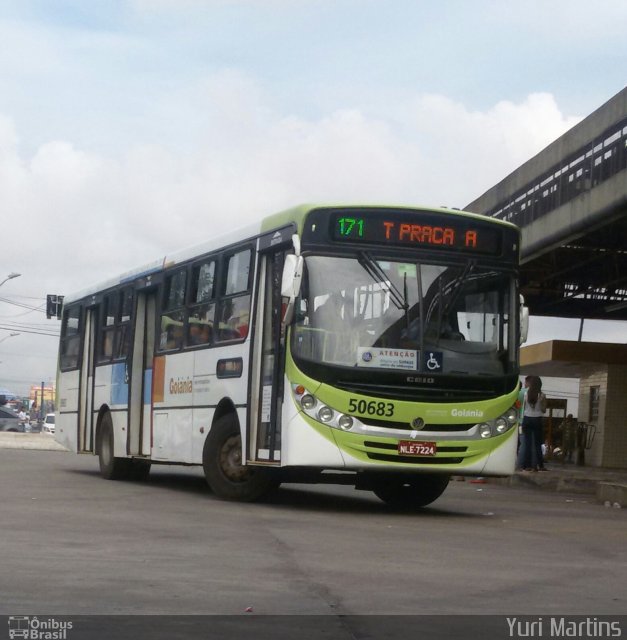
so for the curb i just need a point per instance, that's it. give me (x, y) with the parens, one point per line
(612, 494)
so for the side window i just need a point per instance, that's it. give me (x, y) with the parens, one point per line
(122, 343)
(234, 308)
(237, 272)
(115, 330)
(107, 337)
(70, 338)
(202, 307)
(173, 312)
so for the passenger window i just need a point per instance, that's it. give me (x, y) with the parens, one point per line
(234, 309)
(108, 328)
(175, 291)
(173, 315)
(234, 318)
(204, 282)
(115, 325)
(200, 323)
(201, 312)
(70, 338)
(237, 273)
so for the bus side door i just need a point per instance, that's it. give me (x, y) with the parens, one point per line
(268, 353)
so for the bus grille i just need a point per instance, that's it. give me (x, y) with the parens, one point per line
(381, 457)
(404, 426)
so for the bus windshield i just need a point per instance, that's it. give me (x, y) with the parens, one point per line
(376, 313)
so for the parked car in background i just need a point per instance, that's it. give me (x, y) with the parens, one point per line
(48, 425)
(9, 420)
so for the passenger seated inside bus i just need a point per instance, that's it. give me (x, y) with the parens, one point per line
(198, 333)
(171, 333)
(235, 319)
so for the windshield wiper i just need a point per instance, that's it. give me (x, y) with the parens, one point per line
(378, 275)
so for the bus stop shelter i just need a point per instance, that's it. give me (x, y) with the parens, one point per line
(602, 372)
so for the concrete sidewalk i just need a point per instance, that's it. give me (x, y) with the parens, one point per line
(38, 441)
(608, 485)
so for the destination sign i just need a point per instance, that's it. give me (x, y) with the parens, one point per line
(420, 229)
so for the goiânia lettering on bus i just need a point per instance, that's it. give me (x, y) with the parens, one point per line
(181, 386)
(467, 413)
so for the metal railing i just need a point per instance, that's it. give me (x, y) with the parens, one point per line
(592, 164)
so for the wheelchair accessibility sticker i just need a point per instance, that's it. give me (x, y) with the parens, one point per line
(432, 360)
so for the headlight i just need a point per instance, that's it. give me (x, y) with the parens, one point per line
(345, 423)
(325, 414)
(317, 410)
(484, 430)
(501, 425)
(512, 415)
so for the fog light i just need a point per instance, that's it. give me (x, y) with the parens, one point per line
(325, 414)
(345, 422)
(484, 430)
(307, 402)
(501, 425)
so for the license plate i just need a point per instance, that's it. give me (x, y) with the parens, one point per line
(412, 448)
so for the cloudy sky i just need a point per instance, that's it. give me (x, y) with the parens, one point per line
(130, 128)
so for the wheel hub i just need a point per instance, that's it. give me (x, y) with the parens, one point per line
(231, 460)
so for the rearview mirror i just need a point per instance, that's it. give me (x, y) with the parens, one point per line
(290, 285)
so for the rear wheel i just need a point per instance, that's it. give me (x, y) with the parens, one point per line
(111, 468)
(228, 478)
(410, 492)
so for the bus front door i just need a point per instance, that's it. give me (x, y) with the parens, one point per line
(266, 383)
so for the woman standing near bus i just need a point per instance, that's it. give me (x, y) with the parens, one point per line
(532, 427)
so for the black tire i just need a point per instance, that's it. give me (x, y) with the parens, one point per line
(410, 492)
(228, 478)
(111, 468)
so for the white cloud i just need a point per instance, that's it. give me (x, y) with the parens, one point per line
(78, 217)
(250, 160)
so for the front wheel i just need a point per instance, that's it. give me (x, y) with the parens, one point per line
(228, 478)
(410, 492)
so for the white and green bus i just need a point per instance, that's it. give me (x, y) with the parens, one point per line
(367, 345)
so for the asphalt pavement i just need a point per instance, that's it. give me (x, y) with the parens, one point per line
(608, 485)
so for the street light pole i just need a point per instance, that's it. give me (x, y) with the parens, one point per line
(10, 277)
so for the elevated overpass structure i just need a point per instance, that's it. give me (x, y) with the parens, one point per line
(570, 201)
